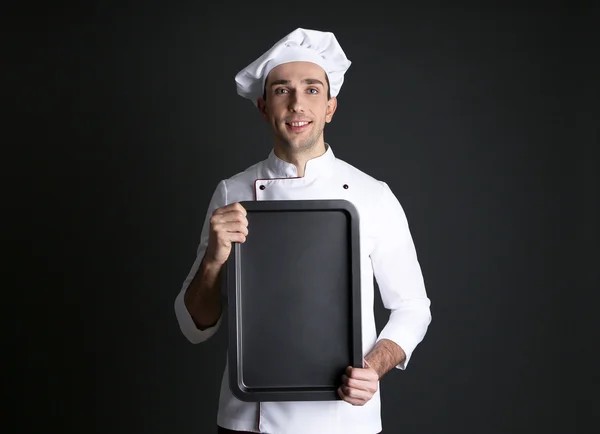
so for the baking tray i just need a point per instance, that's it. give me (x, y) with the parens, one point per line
(294, 310)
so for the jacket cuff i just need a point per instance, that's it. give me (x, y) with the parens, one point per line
(188, 326)
(407, 328)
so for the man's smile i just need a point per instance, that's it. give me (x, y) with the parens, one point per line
(297, 126)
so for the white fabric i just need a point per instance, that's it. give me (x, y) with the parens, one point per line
(387, 253)
(321, 48)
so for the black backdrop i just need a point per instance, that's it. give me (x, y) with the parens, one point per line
(124, 117)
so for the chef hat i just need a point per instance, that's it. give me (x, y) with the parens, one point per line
(314, 46)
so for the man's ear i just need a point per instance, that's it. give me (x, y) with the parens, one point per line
(261, 105)
(331, 107)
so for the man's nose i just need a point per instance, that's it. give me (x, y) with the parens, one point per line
(295, 103)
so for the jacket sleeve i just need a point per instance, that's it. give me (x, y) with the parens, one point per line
(186, 323)
(399, 277)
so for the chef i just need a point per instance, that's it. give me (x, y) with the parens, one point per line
(294, 85)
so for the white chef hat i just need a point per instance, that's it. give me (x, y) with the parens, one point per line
(314, 46)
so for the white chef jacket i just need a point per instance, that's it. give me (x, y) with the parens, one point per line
(387, 253)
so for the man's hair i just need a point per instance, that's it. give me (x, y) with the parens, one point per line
(326, 80)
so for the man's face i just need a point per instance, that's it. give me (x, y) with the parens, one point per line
(296, 105)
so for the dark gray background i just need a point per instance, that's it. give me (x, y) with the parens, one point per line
(124, 117)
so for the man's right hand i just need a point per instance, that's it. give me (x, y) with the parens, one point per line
(228, 224)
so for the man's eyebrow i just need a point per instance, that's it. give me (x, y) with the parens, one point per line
(305, 81)
(278, 82)
(313, 81)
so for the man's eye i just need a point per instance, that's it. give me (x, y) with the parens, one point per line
(313, 90)
(280, 90)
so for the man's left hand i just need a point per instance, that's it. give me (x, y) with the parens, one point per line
(358, 385)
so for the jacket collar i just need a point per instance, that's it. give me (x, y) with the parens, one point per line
(317, 167)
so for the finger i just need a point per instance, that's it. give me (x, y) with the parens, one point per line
(230, 216)
(353, 397)
(233, 226)
(235, 216)
(358, 394)
(361, 373)
(232, 237)
(369, 386)
(231, 207)
(226, 238)
(229, 228)
(236, 237)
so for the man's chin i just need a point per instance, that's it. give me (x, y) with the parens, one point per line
(299, 145)
(297, 142)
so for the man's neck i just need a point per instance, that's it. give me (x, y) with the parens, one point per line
(300, 158)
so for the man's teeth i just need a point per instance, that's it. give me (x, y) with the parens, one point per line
(298, 124)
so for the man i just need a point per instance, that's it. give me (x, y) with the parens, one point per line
(294, 86)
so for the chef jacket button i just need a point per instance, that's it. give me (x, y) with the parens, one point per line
(346, 186)
(262, 187)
